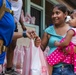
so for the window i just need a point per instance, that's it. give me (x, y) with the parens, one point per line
(36, 8)
(37, 14)
(38, 2)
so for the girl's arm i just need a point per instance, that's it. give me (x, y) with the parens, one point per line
(67, 39)
(42, 42)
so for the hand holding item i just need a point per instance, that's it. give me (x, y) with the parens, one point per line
(30, 34)
(37, 41)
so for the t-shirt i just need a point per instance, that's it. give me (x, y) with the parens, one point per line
(7, 27)
(54, 37)
(16, 7)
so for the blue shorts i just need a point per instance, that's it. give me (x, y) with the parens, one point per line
(2, 57)
(63, 70)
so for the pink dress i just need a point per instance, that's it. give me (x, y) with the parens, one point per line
(59, 56)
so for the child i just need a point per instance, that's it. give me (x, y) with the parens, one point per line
(66, 51)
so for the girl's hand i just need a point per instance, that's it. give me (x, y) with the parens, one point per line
(37, 41)
(69, 50)
(57, 43)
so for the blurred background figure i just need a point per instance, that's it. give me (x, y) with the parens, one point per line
(73, 14)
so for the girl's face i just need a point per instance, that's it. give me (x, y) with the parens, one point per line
(72, 22)
(58, 17)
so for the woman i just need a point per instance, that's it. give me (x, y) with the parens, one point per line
(56, 33)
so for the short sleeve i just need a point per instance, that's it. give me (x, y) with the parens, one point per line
(1, 3)
(73, 31)
(50, 30)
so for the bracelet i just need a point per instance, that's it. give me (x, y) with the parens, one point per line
(24, 34)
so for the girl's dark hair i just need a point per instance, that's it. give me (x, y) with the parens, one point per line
(61, 7)
(68, 12)
(73, 11)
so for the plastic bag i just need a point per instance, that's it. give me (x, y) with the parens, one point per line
(28, 18)
(32, 20)
(27, 61)
(0, 68)
(34, 61)
(18, 58)
(38, 62)
(3, 66)
(46, 51)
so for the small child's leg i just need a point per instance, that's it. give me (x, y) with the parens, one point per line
(50, 69)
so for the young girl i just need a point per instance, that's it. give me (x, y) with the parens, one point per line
(66, 50)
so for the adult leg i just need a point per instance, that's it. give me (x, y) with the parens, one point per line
(10, 53)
